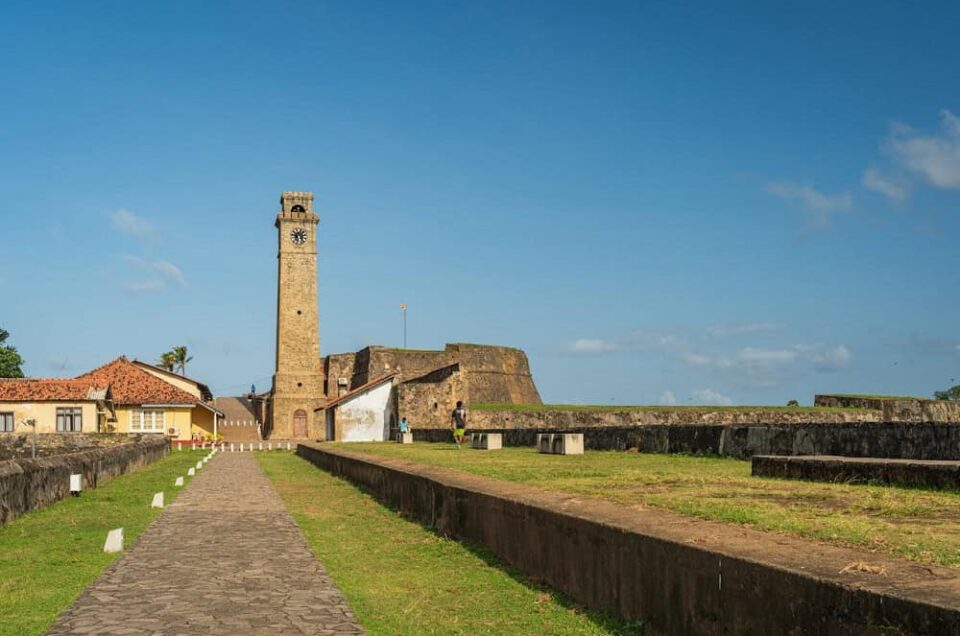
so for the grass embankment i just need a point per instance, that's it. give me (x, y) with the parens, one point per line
(497, 406)
(401, 578)
(917, 524)
(49, 556)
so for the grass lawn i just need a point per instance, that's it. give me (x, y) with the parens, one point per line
(497, 406)
(49, 556)
(920, 525)
(401, 578)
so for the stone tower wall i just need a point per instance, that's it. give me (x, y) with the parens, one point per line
(298, 383)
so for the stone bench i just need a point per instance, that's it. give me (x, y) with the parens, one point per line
(486, 441)
(560, 443)
(405, 438)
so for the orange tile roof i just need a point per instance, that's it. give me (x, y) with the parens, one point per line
(51, 390)
(132, 385)
(360, 389)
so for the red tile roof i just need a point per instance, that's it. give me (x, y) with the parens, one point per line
(360, 389)
(132, 385)
(51, 390)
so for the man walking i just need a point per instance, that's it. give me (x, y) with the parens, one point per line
(458, 422)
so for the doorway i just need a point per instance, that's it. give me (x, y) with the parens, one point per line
(300, 424)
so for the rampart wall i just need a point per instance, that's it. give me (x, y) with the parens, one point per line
(29, 484)
(678, 576)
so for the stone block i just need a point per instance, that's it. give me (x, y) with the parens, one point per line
(191, 472)
(76, 484)
(157, 500)
(543, 443)
(566, 444)
(199, 465)
(486, 441)
(405, 438)
(178, 482)
(114, 542)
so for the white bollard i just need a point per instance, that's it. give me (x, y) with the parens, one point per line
(288, 445)
(179, 446)
(231, 447)
(261, 445)
(76, 482)
(179, 481)
(270, 446)
(191, 472)
(114, 541)
(157, 500)
(199, 465)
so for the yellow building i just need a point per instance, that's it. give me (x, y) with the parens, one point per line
(122, 396)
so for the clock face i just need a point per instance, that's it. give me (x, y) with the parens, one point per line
(299, 236)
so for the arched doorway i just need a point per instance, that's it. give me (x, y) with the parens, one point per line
(300, 424)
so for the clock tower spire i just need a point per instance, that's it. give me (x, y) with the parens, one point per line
(298, 379)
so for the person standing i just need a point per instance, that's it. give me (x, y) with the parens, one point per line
(458, 422)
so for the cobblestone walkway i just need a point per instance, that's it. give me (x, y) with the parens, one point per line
(225, 558)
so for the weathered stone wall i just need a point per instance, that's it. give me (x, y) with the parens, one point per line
(900, 472)
(496, 374)
(555, 418)
(490, 374)
(888, 439)
(678, 576)
(428, 401)
(897, 409)
(29, 484)
(18, 445)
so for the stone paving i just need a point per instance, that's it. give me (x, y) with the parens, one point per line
(225, 558)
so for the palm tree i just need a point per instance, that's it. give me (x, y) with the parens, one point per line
(181, 358)
(167, 361)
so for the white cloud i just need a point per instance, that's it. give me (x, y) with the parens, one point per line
(819, 206)
(129, 223)
(767, 355)
(166, 270)
(667, 398)
(936, 158)
(723, 331)
(590, 345)
(143, 287)
(701, 360)
(171, 271)
(838, 357)
(711, 397)
(873, 180)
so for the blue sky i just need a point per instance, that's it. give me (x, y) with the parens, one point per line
(659, 203)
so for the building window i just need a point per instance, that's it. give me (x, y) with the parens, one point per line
(69, 420)
(6, 422)
(146, 421)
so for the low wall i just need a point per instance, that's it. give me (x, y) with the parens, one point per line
(678, 576)
(900, 472)
(897, 409)
(29, 484)
(889, 439)
(18, 445)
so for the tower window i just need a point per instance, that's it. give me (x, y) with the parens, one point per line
(299, 312)
(299, 385)
(297, 208)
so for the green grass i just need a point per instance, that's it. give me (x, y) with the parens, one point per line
(499, 406)
(49, 556)
(401, 578)
(921, 525)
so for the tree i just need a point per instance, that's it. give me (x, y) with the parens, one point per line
(167, 361)
(952, 394)
(10, 360)
(181, 359)
(793, 403)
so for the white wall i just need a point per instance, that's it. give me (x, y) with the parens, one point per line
(366, 417)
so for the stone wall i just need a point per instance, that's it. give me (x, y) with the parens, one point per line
(897, 409)
(888, 439)
(678, 576)
(18, 445)
(29, 484)
(427, 401)
(558, 418)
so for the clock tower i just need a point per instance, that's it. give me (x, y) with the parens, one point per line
(298, 380)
